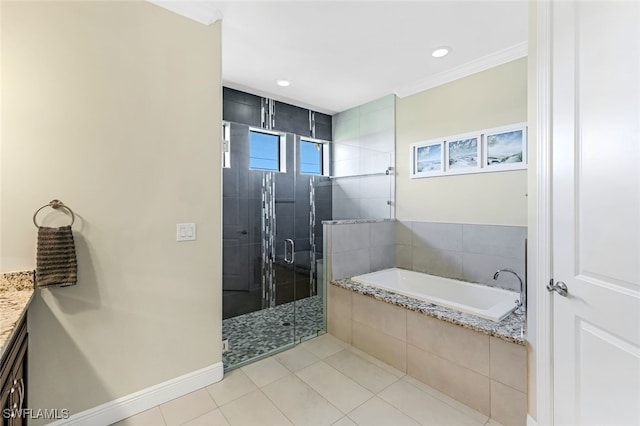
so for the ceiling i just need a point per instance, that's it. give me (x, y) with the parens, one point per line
(340, 54)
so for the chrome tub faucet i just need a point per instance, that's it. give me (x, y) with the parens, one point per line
(521, 300)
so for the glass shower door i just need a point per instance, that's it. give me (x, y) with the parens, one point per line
(310, 194)
(253, 323)
(291, 212)
(290, 238)
(280, 220)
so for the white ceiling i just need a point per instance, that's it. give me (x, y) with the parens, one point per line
(340, 54)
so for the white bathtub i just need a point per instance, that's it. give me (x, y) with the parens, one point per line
(486, 302)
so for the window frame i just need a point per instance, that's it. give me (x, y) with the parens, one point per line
(282, 149)
(226, 145)
(324, 155)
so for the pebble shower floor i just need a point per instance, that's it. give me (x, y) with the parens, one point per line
(261, 332)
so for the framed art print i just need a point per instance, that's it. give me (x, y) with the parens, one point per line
(427, 158)
(463, 153)
(482, 151)
(506, 148)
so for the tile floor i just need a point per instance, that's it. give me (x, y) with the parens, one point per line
(258, 333)
(323, 381)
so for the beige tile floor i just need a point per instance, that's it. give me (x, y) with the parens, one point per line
(320, 382)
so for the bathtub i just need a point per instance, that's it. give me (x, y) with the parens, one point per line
(487, 302)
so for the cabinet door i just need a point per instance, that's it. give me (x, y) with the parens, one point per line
(19, 384)
(6, 402)
(13, 379)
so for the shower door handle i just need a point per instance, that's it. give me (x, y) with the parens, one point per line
(292, 251)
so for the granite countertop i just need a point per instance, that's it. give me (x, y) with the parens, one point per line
(352, 221)
(510, 329)
(16, 291)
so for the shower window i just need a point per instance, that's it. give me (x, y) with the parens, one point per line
(265, 151)
(311, 160)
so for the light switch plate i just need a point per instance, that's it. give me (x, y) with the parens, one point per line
(185, 232)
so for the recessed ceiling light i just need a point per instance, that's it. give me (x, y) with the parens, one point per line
(440, 52)
(283, 83)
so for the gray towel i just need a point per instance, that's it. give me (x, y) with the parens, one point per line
(56, 257)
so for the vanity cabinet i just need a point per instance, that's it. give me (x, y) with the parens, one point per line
(13, 377)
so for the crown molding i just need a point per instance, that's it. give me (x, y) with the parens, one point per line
(204, 12)
(477, 65)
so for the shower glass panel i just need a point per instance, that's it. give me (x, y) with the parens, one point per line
(272, 248)
(363, 183)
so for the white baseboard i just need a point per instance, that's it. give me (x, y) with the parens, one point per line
(530, 421)
(127, 406)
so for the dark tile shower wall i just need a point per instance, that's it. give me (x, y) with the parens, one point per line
(241, 229)
(285, 205)
(242, 208)
(240, 107)
(291, 119)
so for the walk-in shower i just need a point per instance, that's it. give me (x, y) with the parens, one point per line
(276, 193)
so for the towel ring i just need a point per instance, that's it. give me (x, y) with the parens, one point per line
(55, 204)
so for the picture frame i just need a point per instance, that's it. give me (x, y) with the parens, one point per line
(505, 148)
(463, 153)
(427, 158)
(482, 151)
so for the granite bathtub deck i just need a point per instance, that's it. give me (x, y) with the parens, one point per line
(354, 221)
(510, 329)
(16, 291)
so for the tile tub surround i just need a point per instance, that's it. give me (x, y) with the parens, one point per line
(354, 221)
(511, 329)
(356, 247)
(16, 290)
(467, 252)
(475, 361)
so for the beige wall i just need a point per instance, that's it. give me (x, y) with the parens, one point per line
(488, 99)
(114, 108)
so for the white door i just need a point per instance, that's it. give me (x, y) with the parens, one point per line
(596, 212)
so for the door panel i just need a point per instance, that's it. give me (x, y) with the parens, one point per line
(607, 140)
(620, 358)
(596, 212)
(237, 233)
